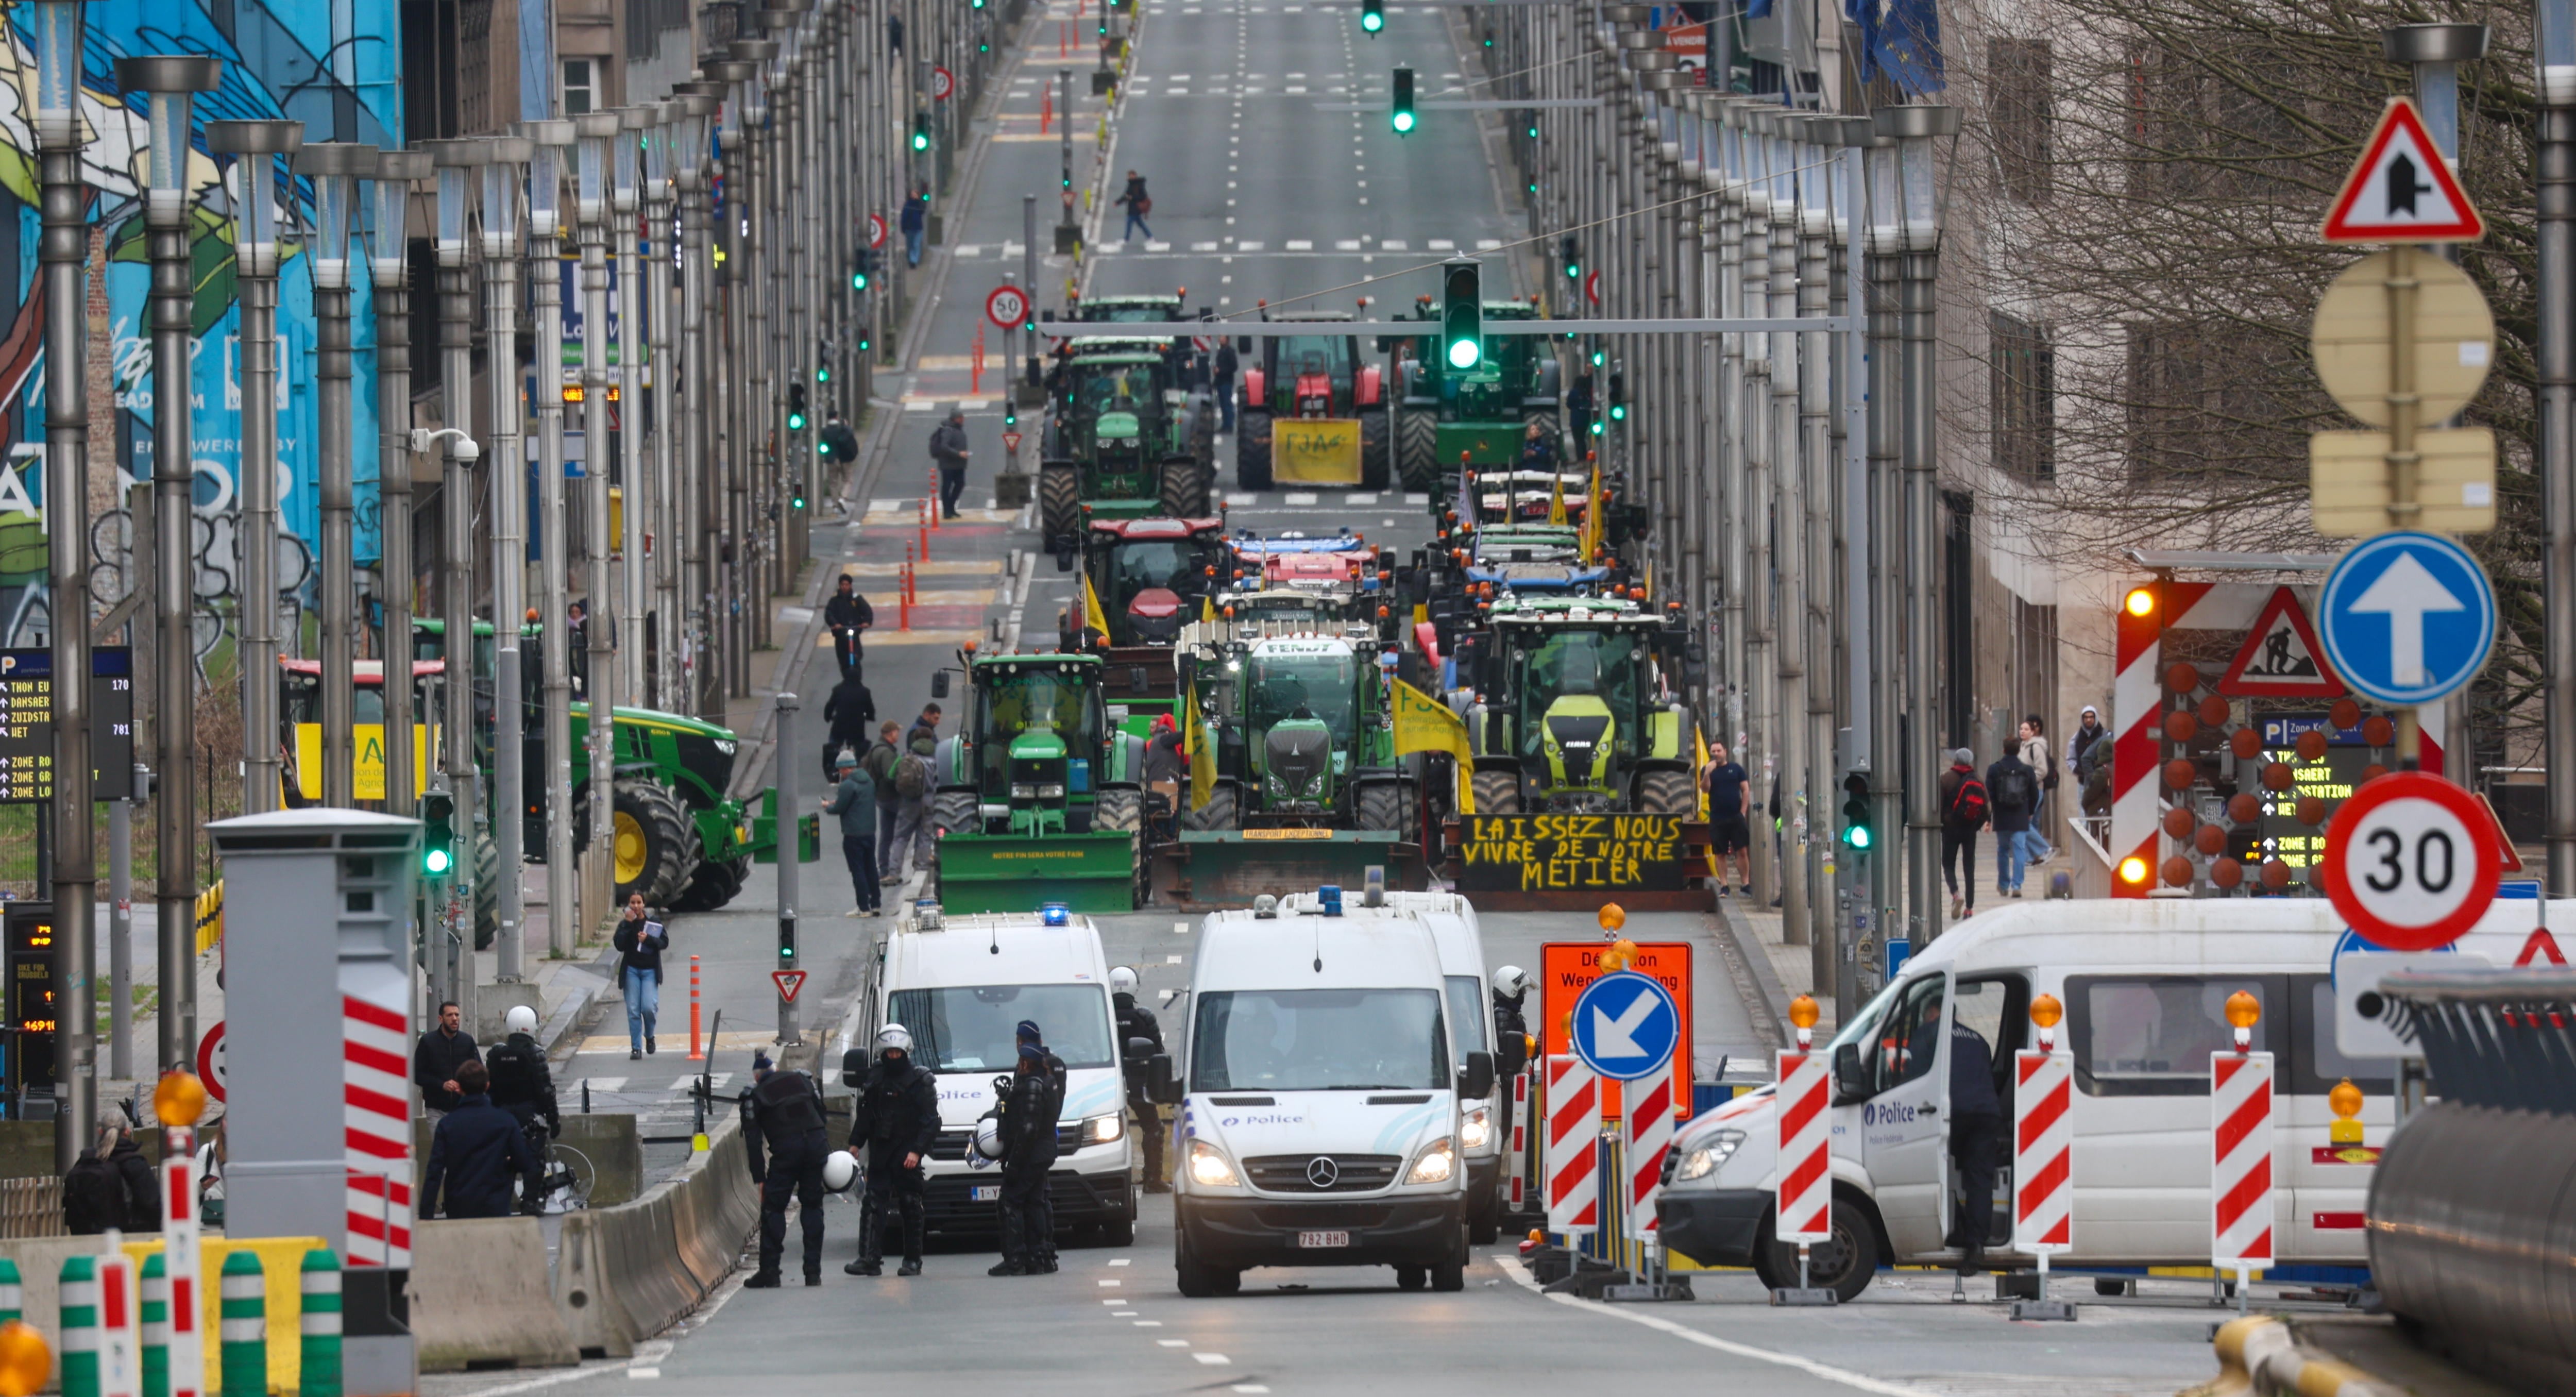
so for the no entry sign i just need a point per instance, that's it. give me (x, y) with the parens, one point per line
(2412, 861)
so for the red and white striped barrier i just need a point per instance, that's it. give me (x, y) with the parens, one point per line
(1520, 1139)
(180, 1233)
(376, 1085)
(1648, 1123)
(120, 1322)
(2043, 1153)
(2240, 1175)
(1572, 1159)
(1804, 1195)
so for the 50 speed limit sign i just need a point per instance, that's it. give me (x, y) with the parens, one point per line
(2412, 861)
(1007, 307)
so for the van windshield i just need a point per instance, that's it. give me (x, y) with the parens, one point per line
(1319, 1040)
(971, 1028)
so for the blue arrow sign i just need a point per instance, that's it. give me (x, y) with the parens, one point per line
(2407, 617)
(1626, 1026)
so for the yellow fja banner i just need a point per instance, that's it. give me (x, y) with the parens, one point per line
(1315, 451)
(1425, 724)
(1093, 619)
(368, 766)
(1194, 744)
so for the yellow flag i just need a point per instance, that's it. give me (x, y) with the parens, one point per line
(1425, 724)
(1591, 535)
(1207, 610)
(1092, 619)
(1194, 742)
(1556, 497)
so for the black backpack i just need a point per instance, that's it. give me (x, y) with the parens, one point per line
(2014, 790)
(93, 1196)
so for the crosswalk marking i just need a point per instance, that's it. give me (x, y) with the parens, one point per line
(1347, 245)
(1392, 245)
(971, 250)
(605, 1083)
(1299, 497)
(1300, 245)
(1488, 244)
(1247, 247)
(1203, 247)
(1441, 245)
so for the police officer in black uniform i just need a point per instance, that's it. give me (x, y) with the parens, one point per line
(1976, 1137)
(894, 1118)
(1511, 1036)
(1029, 1119)
(1136, 1021)
(522, 1086)
(783, 1112)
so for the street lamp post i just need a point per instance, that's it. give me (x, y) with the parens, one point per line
(397, 172)
(455, 162)
(500, 174)
(665, 524)
(597, 132)
(335, 167)
(2554, 48)
(699, 508)
(548, 144)
(625, 202)
(172, 81)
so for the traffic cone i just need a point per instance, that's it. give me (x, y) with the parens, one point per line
(244, 1327)
(321, 1324)
(80, 1326)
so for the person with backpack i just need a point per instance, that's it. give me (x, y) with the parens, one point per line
(523, 1086)
(2033, 739)
(913, 836)
(879, 764)
(2012, 796)
(111, 1185)
(1965, 810)
(1138, 203)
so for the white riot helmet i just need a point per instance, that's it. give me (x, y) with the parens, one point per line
(985, 1147)
(1122, 980)
(520, 1019)
(895, 1036)
(1510, 981)
(840, 1170)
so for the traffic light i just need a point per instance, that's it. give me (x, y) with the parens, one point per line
(1618, 397)
(1573, 259)
(1856, 831)
(787, 935)
(1372, 16)
(1462, 313)
(822, 373)
(796, 407)
(921, 130)
(437, 834)
(1599, 357)
(1402, 118)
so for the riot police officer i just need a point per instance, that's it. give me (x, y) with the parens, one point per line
(894, 1118)
(783, 1112)
(1035, 1103)
(522, 1086)
(1135, 1021)
(1511, 1034)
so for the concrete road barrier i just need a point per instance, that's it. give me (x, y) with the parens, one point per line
(479, 1295)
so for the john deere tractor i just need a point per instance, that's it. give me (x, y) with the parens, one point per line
(1313, 411)
(1038, 798)
(1123, 438)
(1577, 708)
(1483, 413)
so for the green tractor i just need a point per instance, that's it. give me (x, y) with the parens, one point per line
(1038, 799)
(1313, 412)
(1123, 439)
(1481, 414)
(1576, 707)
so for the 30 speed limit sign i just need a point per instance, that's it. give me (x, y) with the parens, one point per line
(2412, 861)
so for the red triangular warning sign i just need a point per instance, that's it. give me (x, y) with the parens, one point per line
(2504, 842)
(789, 982)
(2402, 190)
(2540, 945)
(2281, 657)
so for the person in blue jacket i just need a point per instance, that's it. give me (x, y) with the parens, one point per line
(477, 1156)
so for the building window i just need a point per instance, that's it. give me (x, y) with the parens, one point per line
(2022, 116)
(2022, 381)
(580, 86)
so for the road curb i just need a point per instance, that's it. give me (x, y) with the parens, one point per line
(564, 1023)
(1746, 960)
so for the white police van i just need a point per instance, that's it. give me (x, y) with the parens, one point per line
(2143, 984)
(962, 985)
(1321, 1100)
(1468, 986)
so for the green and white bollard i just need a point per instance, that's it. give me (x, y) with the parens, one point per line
(156, 1326)
(12, 1292)
(321, 1324)
(244, 1330)
(80, 1326)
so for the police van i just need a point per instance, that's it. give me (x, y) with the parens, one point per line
(2144, 985)
(1460, 943)
(962, 985)
(1322, 1101)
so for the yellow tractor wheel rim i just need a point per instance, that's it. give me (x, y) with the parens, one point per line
(631, 848)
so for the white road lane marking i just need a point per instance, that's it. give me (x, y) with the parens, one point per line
(1213, 1360)
(1297, 497)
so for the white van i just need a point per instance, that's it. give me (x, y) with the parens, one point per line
(2144, 983)
(962, 985)
(1460, 943)
(1321, 1101)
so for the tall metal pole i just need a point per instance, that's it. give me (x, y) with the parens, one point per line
(456, 162)
(664, 393)
(397, 173)
(700, 503)
(507, 472)
(625, 203)
(1761, 757)
(597, 131)
(172, 80)
(550, 146)
(790, 767)
(1813, 616)
(334, 169)
(2555, 51)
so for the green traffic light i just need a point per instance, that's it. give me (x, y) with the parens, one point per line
(1463, 354)
(1618, 412)
(1372, 21)
(822, 375)
(1857, 836)
(435, 862)
(1403, 122)
(921, 140)
(1596, 429)
(1598, 358)
(858, 281)
(796, 422)
(1573, 272)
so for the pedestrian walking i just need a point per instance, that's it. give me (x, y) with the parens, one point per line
(1730, 817)
(640, 942)
(893, 1121)
(1136, 1023)
(849, 616)
(434, 1060)
(839, 441)
(846, 715)
(2088, 757)
(1028, 1122)
(879, 764)
(524, 1087)
(1965, 810)
(1138, 203)
(948, 449)
(916, 221)
(855, 801)
(1976, 1134)
(2033, 741)
(475, 1155)
(914, 840)
(1227, 365)
(782, 1131)
(2012, 790)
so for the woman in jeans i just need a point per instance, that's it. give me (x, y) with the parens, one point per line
(640, 942)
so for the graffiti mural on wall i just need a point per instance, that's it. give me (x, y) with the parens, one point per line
(331, 64)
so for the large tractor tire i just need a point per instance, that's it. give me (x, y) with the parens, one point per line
(1666, 793)
(487, 890)
(1184, 493)
(1218, 813)
(715, 883)
(1120, 810)
(1377, 454)
(1382, 806)
(956, 810)
(1417, 447)
(1252, 450)
(1203, 418)
(652, 847)
(1497, 792)
(1059, 502)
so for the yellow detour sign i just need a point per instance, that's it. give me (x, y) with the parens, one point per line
(1315, 451)
(369, 764)
(2349, 492)
(2453, 338)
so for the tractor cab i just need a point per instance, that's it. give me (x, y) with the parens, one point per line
(1037, 725)
(1322, 382)
(1152, 575)
(1124, 436)
(1038, 796)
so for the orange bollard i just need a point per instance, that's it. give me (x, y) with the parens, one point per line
(903, 599)
(934, 470)
(697, 1051)
(977, 383)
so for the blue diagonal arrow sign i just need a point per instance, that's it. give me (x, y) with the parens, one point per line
(1626, 1026)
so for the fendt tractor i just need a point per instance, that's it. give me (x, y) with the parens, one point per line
(1313, 410)
(1123, 438)
(1152, 577)
(1576, 706)
(1480, 415)
(1038, 797)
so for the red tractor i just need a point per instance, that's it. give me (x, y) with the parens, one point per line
(1314, 411)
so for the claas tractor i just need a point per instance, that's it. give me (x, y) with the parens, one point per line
(1574, 706)
(1313, 412)
(1038, 798)
(1479, 415)
(1123, 438)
